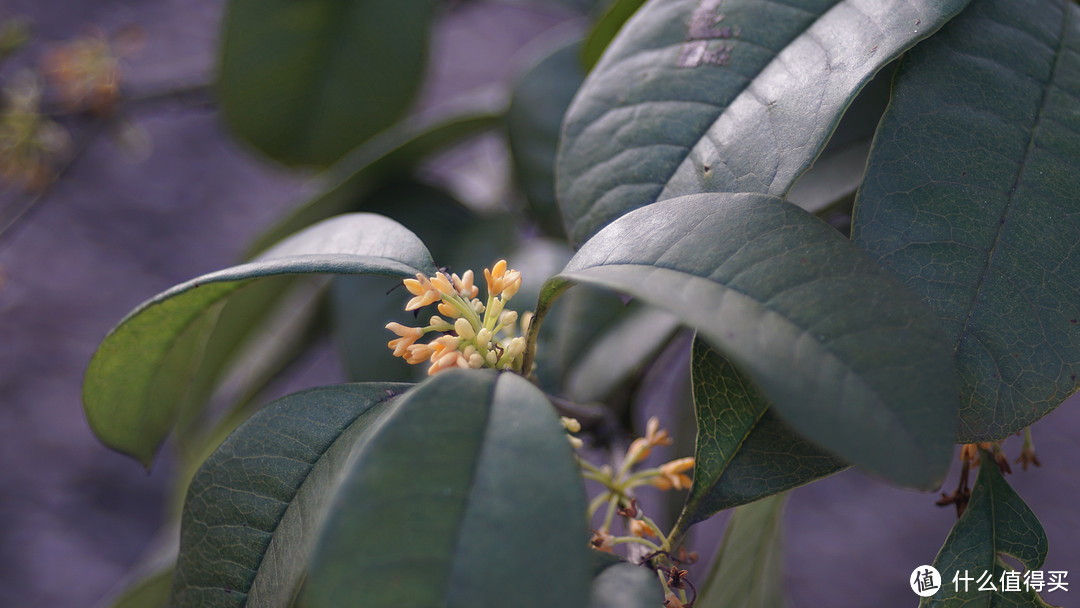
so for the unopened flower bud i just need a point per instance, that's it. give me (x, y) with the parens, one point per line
(483, 337)
(464, 329)
(508, 317)
(442, 282)
(448, 310)
(515, 347)
(570, 424)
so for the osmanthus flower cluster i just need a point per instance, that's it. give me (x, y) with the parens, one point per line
(472, 334)
(618, 497)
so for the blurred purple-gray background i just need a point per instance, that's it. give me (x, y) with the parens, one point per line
(75, 517)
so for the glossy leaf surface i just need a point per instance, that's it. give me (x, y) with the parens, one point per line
(305, 82)
(467, 496)
(136, 381)
(708, 96)
(995, 523)
(255, 507)
(748, 571)
(847, 356)
(970, 197)
(744, 451)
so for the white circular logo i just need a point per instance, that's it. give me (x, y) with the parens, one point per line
(925, 581)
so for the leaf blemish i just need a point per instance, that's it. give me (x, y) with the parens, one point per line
(704, 26)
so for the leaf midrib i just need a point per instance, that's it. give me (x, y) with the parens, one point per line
(468, 500)
(827, 350)
(1020, 173)
(314, 464)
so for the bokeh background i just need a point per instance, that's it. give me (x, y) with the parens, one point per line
(119, 227)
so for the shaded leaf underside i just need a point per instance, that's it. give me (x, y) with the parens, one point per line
(845, 354)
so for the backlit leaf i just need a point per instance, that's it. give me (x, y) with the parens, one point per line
(136, 382)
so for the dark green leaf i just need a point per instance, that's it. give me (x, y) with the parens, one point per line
(740, 96)
(623, 349)
(748, 571)
(582, 318)
(533, 121)
(467, 496)
(346, 185)
(849, 358)
(971, 198)
(995, 523)
(627, 586)
(305, 82)
(744, 451)
(605, 28)
(255, 508)
(136, 381)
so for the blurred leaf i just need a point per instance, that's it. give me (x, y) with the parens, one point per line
(744, 452)
(533, 122)
(605, 28)
(748, 572)
(467, 496)
(995, 523)
(623, 349)
(137, 379)
(848, 357)
(627, 586)
(386, 157)
(970, 197)
(305, 82)
(689, 99)
(580, 321)
(150, 592)
(600, 561)
(255, 508)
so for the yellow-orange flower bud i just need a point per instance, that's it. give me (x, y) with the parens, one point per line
(464, 329)
(671, 475)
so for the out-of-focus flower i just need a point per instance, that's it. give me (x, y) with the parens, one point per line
(672, 475)
(86, 70)
(30, 143)
(641, 447)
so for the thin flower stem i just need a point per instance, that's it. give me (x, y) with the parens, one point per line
(595, 505)
(659, 533)
(595, 477)
(613, 503)
(640, 478)
(465, 309)
(635, 539)
(590, 467)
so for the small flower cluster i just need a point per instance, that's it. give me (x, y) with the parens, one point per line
(86, 70)
(619, 486)
(468, 339)
(30, 143)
